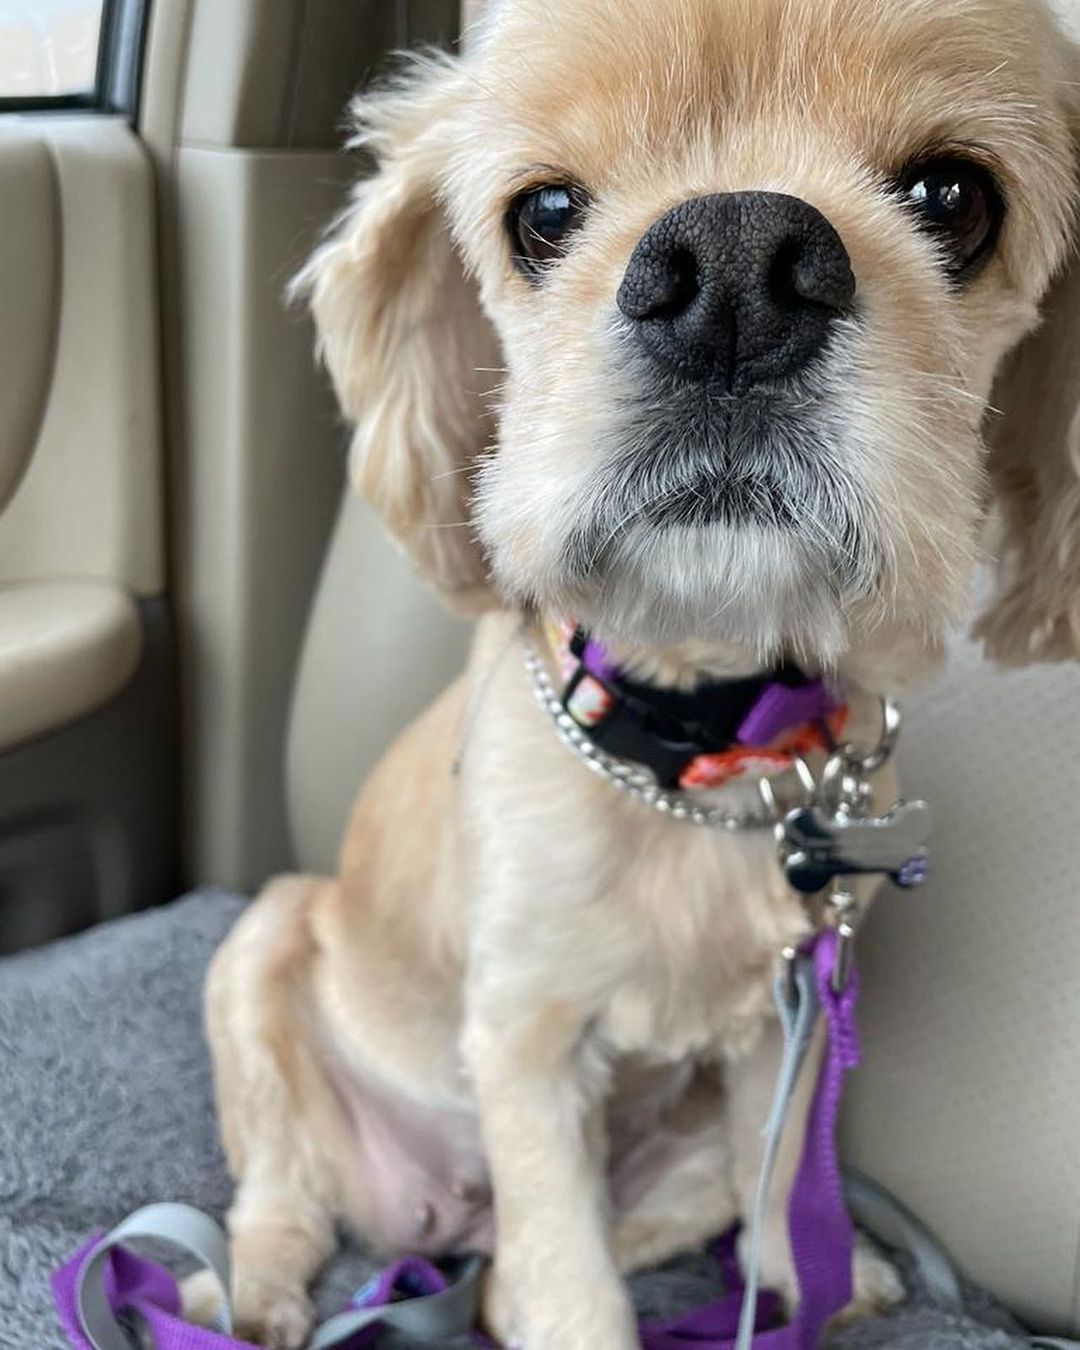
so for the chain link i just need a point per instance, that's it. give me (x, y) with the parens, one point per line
(635, 781)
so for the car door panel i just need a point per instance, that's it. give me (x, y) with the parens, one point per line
(29, 289)
(87, 714)
(90, 501)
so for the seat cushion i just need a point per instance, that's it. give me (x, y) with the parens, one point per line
(107, 1106)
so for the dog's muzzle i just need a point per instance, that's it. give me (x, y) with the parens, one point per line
(737, 289)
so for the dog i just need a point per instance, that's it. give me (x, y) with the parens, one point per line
(713, 328)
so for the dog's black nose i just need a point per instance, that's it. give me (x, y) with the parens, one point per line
(740, 287)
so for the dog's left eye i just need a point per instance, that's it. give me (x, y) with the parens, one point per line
(960, 203)
(540, 222)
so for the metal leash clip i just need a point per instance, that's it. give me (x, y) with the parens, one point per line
(834, 836)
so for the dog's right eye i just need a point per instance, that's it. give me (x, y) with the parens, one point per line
(960, 204)
(540, 222)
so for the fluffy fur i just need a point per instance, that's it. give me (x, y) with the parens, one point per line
(521, 984)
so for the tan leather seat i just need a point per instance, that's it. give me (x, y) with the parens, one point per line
(378, 648)
(968, 1105)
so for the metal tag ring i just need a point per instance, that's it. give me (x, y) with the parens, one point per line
(805, 776)
(859, 762)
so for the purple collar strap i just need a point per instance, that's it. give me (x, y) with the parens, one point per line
(699, 738)
(818, 1224)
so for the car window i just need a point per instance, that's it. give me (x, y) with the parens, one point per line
(49, 48)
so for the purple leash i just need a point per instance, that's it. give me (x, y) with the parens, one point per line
(819, 1227)
(104, 1282)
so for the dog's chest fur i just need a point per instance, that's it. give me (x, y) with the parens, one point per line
(709, 914)
(674, 945)
(669, 931)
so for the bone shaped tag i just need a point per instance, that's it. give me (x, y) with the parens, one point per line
(817, 847)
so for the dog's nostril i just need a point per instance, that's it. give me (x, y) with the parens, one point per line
(683, 283)
(821, 277)
(785, 282)
(665, 289)
(801, 274)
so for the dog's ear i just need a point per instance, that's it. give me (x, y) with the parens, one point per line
(1034, 440)
(402, 333)
(1035, 476)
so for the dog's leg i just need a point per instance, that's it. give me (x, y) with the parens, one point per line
(278, 1118)
(280, 1235)
(555, 1284)
(751, 1082)
(691, 1197)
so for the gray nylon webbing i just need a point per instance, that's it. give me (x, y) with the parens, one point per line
(181, 1226)
(435, 1317)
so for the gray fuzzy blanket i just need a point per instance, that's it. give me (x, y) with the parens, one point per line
(105, 1105)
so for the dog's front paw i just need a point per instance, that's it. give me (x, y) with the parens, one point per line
(201, 1298)
(271, 1314)
(876, 1285)
(558, 1315)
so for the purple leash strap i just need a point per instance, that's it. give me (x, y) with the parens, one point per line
(819, 1226)
(104, 1283)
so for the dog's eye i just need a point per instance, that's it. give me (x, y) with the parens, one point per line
(960, 203)
(540, 222)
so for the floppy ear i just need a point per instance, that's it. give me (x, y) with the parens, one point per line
(1034, 465)
(1035, 474)
(401, 331)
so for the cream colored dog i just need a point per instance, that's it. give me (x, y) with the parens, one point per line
(681, 319)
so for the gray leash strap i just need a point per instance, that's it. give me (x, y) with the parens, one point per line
(795, 992)
(433, 1317)
(187, 1229)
